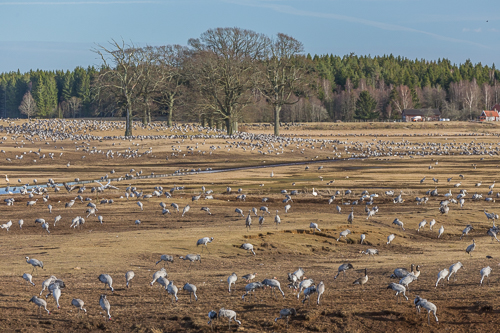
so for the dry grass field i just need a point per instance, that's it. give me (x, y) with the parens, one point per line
(78, 256)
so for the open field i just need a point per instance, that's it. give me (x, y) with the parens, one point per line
(79, 255)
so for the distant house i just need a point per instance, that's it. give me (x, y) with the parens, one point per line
(496, 107)
(490, 115)
(421, 114)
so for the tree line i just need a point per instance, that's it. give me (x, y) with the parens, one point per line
(232, 75)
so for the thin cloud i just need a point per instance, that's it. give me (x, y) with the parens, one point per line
(384, 26)
(52, 3)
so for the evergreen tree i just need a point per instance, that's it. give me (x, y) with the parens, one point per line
(366, 107)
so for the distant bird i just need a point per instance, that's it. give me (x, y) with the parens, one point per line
(191, 288)
(248, 221)
(273, 283)
(285, 314)
(308, 292)
(56, 293)
(175, 206)
(441, 230)
(315, 227)
(230, 314)
(57, 219)
(344, 234)
(421, 225)
(320, 290)
(261, 221)
(432, 223)
(185, 210)
(212, 315)
(251, 288)
(398, 223)
(204, 241)
(454, 269)
(363, 236)
(166, 258)
(350, 218)
(471, 248)
(419, 302)
(128, 277)
(314, 193)
(79, 304)
(485, 272)
(192, 258)
(172, 290)
(249, 277)
(140, 205)
(231, 280)
(442, 275)
(277, 219)
(35, 263)
(239, 211)
(399, 289)
(104, 303)
(390, 238)
(28, 278)
(248, 247)
(370, 252)
(343, 268)
(107, 280)
(40, 302)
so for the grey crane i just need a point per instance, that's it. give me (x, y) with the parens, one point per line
(107, 280)
(493, 233)
(264, 209)
(454, 269)
(249, 277)
(166, 258)
(320, 290)
(79, 304)
(344, 234)
(432, 223)
(251, 287)
(304, 284)
(471, 248)
(350, 218)
(56, 293)
(261, 221)
(47, 283)
(363, 236)
(35, 263)
(231, 280)
(273, 283)
(430, 307)
(175, 206)
(315, 227)
(206, 209)
(485, 272)
(104, 303)
(405, 281)
(140, 205)
(185, 210)
(248, 247)
(399, 289)
(230, 314)
(57, 219)
(156, 275)
(28, 278)
(421, 225)
(6, 225)
(204, 241)
(286, 314)
(277, 219)
(308, 292)
(401, 272)
(390, 238)
(287, 208)
(128, 277)
(399, 223)
(192, 258)
(370, 252)
(191, 289)
(40, 302)
(442, 275)
(441, 230)
(172, 290)
(212, 315)
(343, 268)
(248, 221)
(239, 211)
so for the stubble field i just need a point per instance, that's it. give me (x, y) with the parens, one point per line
(79, 255)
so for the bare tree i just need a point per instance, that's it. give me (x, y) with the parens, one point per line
(403, 99)
(28, 105)
(74, 104)
(471, 95)
(121, 76)
(283, 75)
(221, 70)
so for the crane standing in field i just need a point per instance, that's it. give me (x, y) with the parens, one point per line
(205, 241)
(104, 303)
(35, 263)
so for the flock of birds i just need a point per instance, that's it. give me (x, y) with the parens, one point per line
(59, 130)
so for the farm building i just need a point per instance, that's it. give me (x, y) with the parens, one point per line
(421, 114)
(489, 116)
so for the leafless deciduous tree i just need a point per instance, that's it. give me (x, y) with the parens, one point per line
(121, 76)
(28, 105)
(74, 104)
(283, 74)
(221, 69)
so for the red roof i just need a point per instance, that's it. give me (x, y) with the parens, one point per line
(490, 113)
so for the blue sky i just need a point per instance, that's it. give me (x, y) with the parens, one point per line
(59, 34)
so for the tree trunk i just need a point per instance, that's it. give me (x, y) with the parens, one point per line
(277, 110)
(235, 126)
(229, 126)
(211, 122)
(128, 122)
(170, 109)
(145, 116)
(202, 120)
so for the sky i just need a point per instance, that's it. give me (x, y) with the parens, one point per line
(60, 34)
